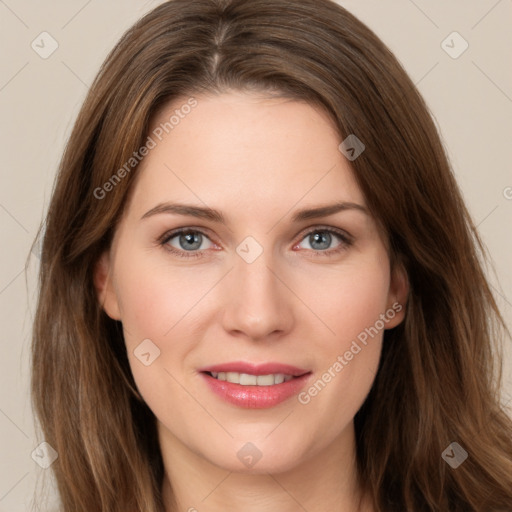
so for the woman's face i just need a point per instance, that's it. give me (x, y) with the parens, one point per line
(288, 304)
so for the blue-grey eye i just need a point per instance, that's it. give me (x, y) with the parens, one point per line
(188, 241)
(321, 240)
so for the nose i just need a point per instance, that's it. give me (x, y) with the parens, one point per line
(258, 303)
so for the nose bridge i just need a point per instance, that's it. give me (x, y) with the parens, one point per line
(257, 304)
(255, 275)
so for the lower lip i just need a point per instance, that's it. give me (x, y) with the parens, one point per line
(256, 397)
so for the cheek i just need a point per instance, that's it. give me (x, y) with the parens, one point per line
(155, 298)
(348, 352)
(167, 306)
(346, 300)
(154, 304)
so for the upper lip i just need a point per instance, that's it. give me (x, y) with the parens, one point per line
(255, 369)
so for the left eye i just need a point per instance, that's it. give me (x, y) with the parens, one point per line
(321, 239)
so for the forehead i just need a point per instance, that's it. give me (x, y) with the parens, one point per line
(246, 150)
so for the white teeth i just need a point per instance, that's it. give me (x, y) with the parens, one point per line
(232, 377)
(246, 379)
(267, 380)
(278, 378)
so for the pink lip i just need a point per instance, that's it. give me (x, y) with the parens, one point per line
(256, 397)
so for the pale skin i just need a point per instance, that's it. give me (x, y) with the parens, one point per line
(258, 161)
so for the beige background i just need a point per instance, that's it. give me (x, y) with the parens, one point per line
(470, 97)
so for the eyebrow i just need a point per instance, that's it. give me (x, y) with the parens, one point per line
(217, 216)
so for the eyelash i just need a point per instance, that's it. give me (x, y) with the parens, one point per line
(345, 241)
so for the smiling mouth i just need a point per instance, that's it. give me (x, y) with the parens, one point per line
(258, 387)
(246, 379)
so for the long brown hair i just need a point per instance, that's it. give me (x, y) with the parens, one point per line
(440, 374)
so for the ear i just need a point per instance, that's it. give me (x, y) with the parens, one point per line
(104, 287)
(397, 297)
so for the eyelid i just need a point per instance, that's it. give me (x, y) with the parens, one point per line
(338, 231)
(171, 233)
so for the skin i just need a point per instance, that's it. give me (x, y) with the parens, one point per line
(257, 160)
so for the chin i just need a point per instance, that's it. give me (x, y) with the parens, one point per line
(258, 457)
